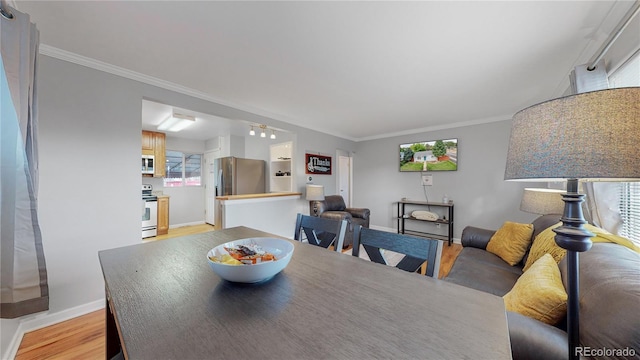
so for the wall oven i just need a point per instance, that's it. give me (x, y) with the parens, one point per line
(149, 212)
(148, 161)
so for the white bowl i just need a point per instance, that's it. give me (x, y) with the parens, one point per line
(282, 249)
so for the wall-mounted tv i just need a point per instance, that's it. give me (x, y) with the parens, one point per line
(436, 155)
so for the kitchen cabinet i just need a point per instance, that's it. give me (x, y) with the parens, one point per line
(160, 154)
(148, 142)
(281, 174)
(163, 215)
(154, 143)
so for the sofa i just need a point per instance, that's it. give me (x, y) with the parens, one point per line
(609, 296)
(333, 207)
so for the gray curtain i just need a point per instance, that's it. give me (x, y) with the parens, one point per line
(23, 278)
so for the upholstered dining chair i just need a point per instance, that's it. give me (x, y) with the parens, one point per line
(320, 231)
(417, 250)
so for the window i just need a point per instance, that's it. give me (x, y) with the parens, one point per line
(629, 201)
(182, 169)
(630, 211)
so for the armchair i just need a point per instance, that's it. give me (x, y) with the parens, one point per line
(333, 207)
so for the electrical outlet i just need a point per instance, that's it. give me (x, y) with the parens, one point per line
(427, 180)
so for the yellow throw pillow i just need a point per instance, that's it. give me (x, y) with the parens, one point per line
(539, 293)
(545, 243)
(511, 241)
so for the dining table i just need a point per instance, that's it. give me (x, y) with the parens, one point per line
(163, 301)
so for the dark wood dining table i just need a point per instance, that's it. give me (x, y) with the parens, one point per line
(164, 302)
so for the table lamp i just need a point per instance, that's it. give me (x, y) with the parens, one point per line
(315, 192)
(591, 136)
(542, 201)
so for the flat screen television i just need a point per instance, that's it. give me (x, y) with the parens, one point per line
(436, 155)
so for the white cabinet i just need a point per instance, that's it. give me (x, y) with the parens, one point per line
(280, 170)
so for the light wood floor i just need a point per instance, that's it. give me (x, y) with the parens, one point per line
(83, 337)
(183, 231)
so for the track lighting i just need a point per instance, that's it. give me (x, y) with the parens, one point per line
(263, 131)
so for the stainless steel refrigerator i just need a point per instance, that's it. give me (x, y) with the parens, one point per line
(237, 176)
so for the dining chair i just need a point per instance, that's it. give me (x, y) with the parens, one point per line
(321, 231)
(417, 250)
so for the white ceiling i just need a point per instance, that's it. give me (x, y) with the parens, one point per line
(205, 127)
(358, 70)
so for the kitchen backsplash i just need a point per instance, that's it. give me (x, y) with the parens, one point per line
(155, 182)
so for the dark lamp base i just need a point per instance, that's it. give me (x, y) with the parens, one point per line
(573, 237)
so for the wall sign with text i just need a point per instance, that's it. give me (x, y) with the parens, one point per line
(318, 164)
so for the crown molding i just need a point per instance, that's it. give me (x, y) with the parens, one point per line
(441, 127)
(77, 59)
(150, 80)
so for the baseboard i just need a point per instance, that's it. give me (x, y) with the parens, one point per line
(44, 319)
(382, 228)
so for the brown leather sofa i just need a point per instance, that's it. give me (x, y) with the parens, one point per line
(333, 207)
(609, 296)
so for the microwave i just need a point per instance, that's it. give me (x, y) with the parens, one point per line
(147, 164)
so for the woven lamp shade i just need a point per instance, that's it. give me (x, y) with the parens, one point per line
(589, 136)
(315, 192)
(542, 201)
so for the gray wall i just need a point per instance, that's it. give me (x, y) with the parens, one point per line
(89, 177)
(309, 142)
(481, 196)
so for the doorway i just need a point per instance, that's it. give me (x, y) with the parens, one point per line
(345, 175)
(210, 186)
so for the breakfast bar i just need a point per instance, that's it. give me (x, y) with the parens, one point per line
(271, 212)
(165, 302)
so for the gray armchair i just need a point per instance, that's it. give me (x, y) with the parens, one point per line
(333, 207)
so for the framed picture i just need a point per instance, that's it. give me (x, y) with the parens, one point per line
(317, 164)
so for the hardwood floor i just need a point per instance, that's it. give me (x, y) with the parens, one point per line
(183, 231)
(84, 337)
(449, 255)
(79, 338)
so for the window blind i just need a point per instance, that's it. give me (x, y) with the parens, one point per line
(630, 211)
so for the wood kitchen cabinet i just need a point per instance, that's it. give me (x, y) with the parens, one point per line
(163, 215)
(154, 143)
(159, 153)
(148, 142)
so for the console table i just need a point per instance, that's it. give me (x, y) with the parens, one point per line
(443, 220)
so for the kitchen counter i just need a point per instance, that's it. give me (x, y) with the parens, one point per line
(257, 196)
(271, 212)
